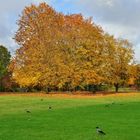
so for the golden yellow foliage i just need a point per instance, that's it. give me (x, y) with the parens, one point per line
(60, 50)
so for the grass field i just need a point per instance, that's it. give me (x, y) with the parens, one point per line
(71, 117)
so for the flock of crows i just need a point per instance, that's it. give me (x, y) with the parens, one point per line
(49, 107)
(98, 130)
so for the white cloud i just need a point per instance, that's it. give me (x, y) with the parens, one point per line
(108, 3)
(137, 53)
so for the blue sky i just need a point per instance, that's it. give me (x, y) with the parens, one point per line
(118, 17)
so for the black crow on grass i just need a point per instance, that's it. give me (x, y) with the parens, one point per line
(113, 103)
(99, 131)
(28, 111)
(107, 105)
(49, 107)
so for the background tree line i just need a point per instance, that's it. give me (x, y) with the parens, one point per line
(69, 52)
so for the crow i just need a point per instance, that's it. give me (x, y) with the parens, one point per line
(27, 111)
(113, 103)
(99, 131)
(107, 105)
(49, 107)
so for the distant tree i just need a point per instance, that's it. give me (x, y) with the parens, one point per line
(119, 56)
(4, 62)
(137, 77)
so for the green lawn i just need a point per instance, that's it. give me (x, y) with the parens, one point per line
(69, 119)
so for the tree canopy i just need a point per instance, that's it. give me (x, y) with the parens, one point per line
(4, 60)
(66, 51)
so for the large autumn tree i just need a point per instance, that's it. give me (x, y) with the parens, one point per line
(57, 50)
(65, 51)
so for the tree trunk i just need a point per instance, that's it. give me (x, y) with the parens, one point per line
(116, 87)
